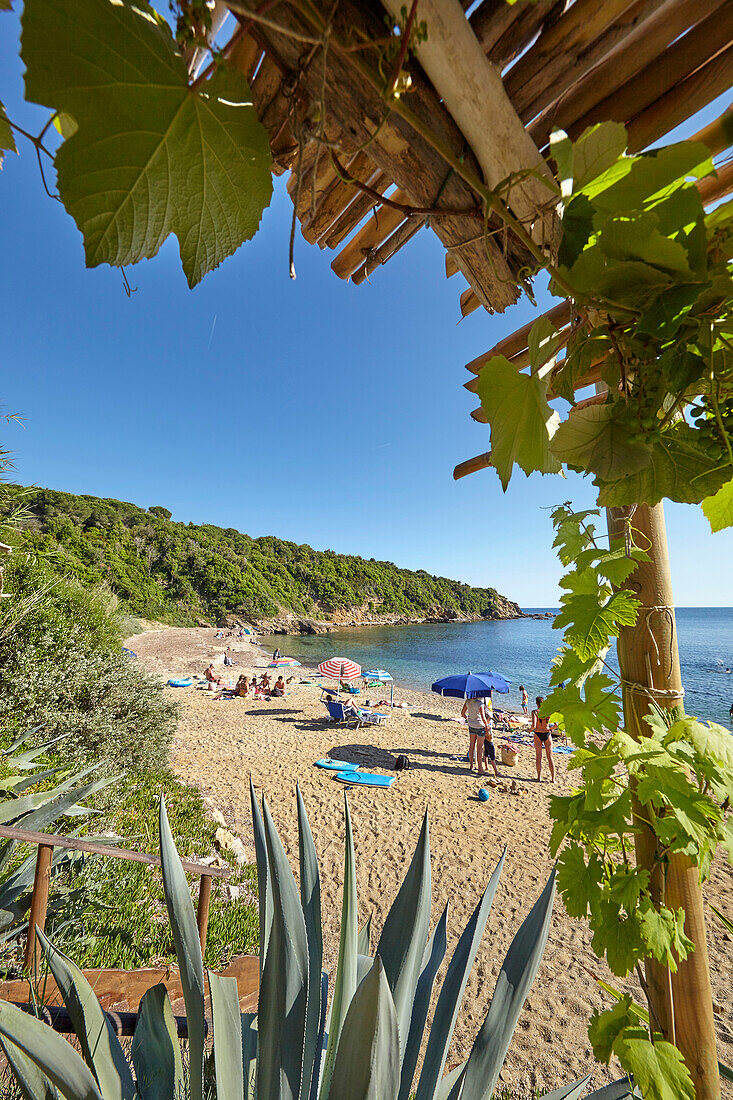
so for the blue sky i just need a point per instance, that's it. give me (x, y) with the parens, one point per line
(311, 409)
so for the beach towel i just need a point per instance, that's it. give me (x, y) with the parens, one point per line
(366, 779)
(336, 765)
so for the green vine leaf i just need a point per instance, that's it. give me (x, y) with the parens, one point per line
(718, 508)
(605, 1027)
(658, 1068)
(596, 439)
(582, 161)
(579, 882)
(618, 937)
(7, 141)
(589, 626)
(522, 422)
(663, 931)
(151, 156)
(578, 715)
(680, 469)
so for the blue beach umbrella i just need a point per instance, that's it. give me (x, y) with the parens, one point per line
(383, 676)
(471, 685)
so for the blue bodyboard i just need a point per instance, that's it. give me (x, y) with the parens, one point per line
(366, 779)
(336, 765)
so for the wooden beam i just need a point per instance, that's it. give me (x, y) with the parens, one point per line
(718, 134)
(339, 196)
(39, 903)
(387, 250)
(504, 30)
(369, 237)
(572, 45)
(648, 38)
(354, 107)
(77, 844)
(451, 267)
(681, 102)
(471, 465)
(502, 148)
(661, 75)
(713, 188)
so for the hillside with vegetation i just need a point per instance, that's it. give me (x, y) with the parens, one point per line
(197, 573)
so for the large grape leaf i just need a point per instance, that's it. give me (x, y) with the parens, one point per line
(679, 469)
(522, 422)
(595, 439)
(719, 507)
(151, 156)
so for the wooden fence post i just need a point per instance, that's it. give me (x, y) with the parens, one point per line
(648, 656)
(39, 903)
(202, 912)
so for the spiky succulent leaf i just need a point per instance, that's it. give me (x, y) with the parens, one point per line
(156, 1050)
(31, 1081)
(434, 955)
(56, 1058)
(368, 1059)
(310, 896)
(227, 1022)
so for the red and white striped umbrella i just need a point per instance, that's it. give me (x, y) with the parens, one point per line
(339, 668)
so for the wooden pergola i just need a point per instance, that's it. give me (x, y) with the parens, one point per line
(381, 141)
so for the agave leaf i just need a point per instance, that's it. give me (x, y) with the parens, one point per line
(515, 978)
(454, 986)
(284, 988)
(364, 963)
(405, 933)
(156, 1051)
(227, 1022)
(26, 759)
(188, 950)
(567, 1092)
(449, 1087)
(310, 896)
(434, 955)
(19, 783)
(6, 851)
(31, 1081)
(21, 740)
(617, 1090)
(56, 1058)
(249, 1054)
(363, 941)
(264, 890)
(725, 921)
(725, 1072)
(13, 808)
(346, 970)
(51, 811)
(100, 1046)
(368, 1059)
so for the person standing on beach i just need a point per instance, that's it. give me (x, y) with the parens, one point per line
(525, 700)
(475, 714)
(542, 731)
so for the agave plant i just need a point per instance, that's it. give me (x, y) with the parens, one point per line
(35, 811)
(363, 1046)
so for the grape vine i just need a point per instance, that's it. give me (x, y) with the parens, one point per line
(678, 780)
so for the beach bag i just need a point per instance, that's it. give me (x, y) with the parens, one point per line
(401, 764)
(509, 756)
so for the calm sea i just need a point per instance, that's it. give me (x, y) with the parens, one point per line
(521, 649)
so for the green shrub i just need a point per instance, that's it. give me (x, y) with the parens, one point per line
(61, 666)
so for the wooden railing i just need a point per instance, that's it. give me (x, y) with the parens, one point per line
(46, 843)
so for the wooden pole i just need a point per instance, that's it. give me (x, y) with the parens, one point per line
(202, 912)
(648, 656)
(39, 903)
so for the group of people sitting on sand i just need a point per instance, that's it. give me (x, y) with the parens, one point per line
(244, 688)
(479, 714)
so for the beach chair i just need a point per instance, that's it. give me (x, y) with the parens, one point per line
(337, 713)
(349, 689)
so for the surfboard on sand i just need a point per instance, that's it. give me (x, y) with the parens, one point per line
(336, 765)
(366, 779)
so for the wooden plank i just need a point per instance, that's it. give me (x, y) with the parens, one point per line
(39, 904)
(573, 44)
(354, 106)
(468, 302)
(77, 844)
(387, 250)
(369, 237)
(665, 72)
(657, 31)
(504, 30)
(559, 315)
(354, 214)
(682, 101)
(339, 197)
(502, 148)
(246, 55)
(717, 187)
(472, 465)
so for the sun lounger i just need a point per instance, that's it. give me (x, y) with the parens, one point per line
(339, 714)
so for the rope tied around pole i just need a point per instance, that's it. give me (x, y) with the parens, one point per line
(663, 609)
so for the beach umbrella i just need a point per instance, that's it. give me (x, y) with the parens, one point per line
(384, 677)
(471, 685)
(281, 661)
(339, 668)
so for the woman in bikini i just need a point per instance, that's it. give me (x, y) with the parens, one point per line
(542, 731)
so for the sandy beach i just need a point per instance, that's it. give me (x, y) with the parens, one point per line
(219, 744)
